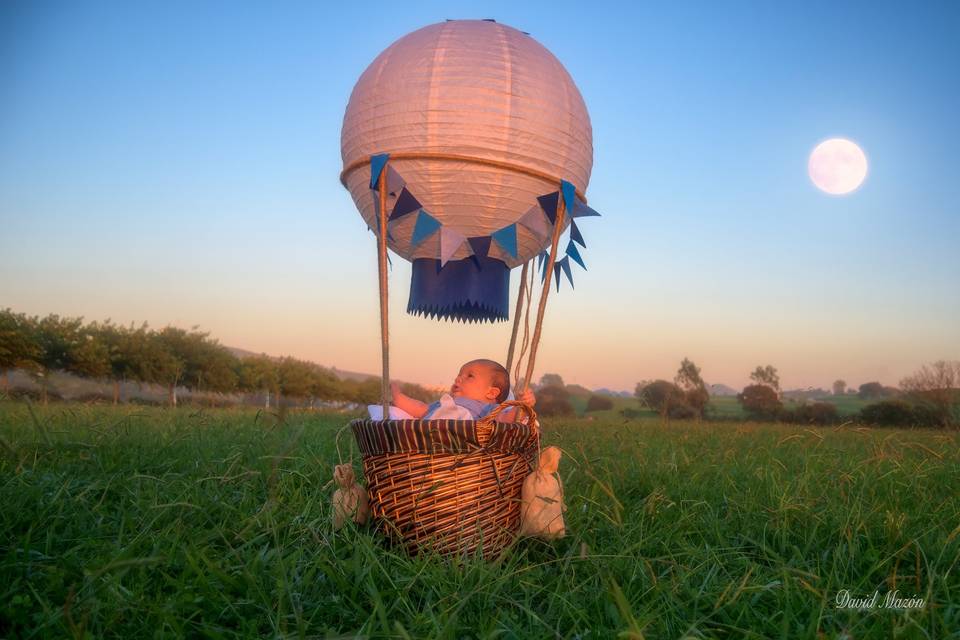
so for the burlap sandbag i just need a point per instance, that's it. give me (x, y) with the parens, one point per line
(350, 499)
(542, 499)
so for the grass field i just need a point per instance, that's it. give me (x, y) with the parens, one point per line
(137, 523)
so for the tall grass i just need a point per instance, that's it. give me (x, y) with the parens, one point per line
(160, 523)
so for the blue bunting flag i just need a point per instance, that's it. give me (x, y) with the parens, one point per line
(376, 168)
(548, 202)
(575, 234)
(405, 204)
(574, 254)
(507, 239)
(580, 210)
(569, 195)
(426, 225)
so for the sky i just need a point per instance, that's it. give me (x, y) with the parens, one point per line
(178, 163)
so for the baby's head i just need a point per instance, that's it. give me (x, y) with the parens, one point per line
(483, 380)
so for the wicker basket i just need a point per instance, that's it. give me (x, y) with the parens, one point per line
(448, 486)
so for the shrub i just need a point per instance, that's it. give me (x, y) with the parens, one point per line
(821, 413)
(760, 401)
(599, 403)
(898, 413)
(682, 411)
(554, 401)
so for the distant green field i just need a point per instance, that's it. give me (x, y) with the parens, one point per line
(144, 522)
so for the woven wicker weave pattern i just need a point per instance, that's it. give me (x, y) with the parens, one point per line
(454, 499)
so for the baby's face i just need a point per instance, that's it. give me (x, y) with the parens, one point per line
(475, 382)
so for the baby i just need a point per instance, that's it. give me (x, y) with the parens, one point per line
(480, 387)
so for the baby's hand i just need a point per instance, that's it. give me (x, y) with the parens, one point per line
(528, 398)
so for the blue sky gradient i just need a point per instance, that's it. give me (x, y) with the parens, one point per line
(178, 163)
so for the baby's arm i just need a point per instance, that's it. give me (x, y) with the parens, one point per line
(402, 401)
(510, 415)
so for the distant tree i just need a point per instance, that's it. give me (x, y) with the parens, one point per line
(871, 390)
(324, 385)
(578, 390)
(366, 391)
(937, 386)
(178, 357)
(136, 355)
(58, 340)
(599, 403)
(554, 400)
(695, 391)
(839, 387)
(766, 375)
(18, 346)
(418, 392)
(661, 396)
(259, 374)
(121, 364)
(221, 369)
(760, 401)
(551, 380)
(89, 356)
(296, 377)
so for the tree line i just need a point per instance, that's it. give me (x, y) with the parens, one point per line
(171, 357)
(930, 397)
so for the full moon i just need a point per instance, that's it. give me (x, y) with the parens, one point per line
(837, 166)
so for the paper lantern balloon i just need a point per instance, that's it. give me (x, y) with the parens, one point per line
(481, 124)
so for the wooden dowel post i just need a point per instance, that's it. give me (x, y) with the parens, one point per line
(382, 267)
(516, 315)
(548, 277)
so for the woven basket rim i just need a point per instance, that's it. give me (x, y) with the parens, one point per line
(442, 436)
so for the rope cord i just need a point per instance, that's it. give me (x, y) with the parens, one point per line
(456, 157)
(516, 315)
(525, 342)
(382, 268)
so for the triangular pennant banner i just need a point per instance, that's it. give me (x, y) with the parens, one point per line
(507, 239)
(406, 203)
(581, 210)
(573, 253)
(565, 265)
(575, 234)
(541, 258)
(480, 245)
(450, 241)
(534, 221)
(376, 167)
(556, 274)
(548, 203)
(569, 195)
(395, 181)
(426, 226)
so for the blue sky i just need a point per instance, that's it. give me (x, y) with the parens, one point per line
(178, 163)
